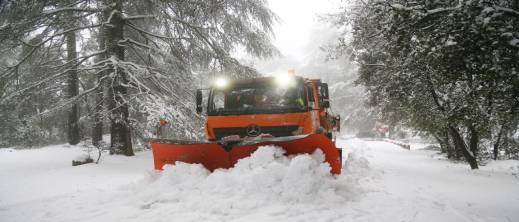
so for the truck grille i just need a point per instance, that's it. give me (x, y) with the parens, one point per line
(276, 131)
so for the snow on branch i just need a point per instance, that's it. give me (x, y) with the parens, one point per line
(137, 43)
(152, 34)
(37, 46)
(507, 10)
(68, 9)
(420, 10)
(109, 19)
(368, 64)
(79, 60)
(135, 17)
(403, 8)
(75, 98)
(56, 75)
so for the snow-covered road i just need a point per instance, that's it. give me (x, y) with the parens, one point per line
(380, 182)
(413, 185)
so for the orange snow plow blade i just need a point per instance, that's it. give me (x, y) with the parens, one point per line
(214, 155)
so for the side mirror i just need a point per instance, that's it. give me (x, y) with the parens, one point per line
(198, 101)
(325, 97)
(324, 91)
(338, 122)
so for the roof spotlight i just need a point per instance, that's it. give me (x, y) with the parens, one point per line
(221, 83)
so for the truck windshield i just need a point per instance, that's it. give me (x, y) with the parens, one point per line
(257, 98)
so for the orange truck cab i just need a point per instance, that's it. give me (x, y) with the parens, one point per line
(279, 106)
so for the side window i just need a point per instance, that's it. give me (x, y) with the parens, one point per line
(219, 100)
(323, 90)
(310, 93)
(311, 100)
(320, 93)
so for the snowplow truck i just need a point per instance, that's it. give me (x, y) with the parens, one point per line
(288, 111)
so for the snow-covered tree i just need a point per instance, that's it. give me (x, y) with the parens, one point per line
(448, 68)
(151, 55)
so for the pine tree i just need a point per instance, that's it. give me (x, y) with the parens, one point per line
(446, 68)
(148, 58)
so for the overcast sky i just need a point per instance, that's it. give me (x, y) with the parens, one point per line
(299, 33)
(298, 22)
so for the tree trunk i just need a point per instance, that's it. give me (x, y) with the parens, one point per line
(120, 141)
(451, 152)
(474, 140)
(97, 129)
(462, 146)
(442, 144)
(498, 140)
(445, 145)
(72, 88)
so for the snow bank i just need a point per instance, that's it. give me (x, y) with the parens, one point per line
(82, 157)
(6, 150)
(267, 178)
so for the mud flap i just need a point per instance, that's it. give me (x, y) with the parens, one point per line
(225, 155)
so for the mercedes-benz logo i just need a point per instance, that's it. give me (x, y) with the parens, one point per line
(253, 130)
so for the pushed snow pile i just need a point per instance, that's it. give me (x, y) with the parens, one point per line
(82, 157)
(6, 150)
(267, 178)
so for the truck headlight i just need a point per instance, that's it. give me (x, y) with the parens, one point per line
(285, 80)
